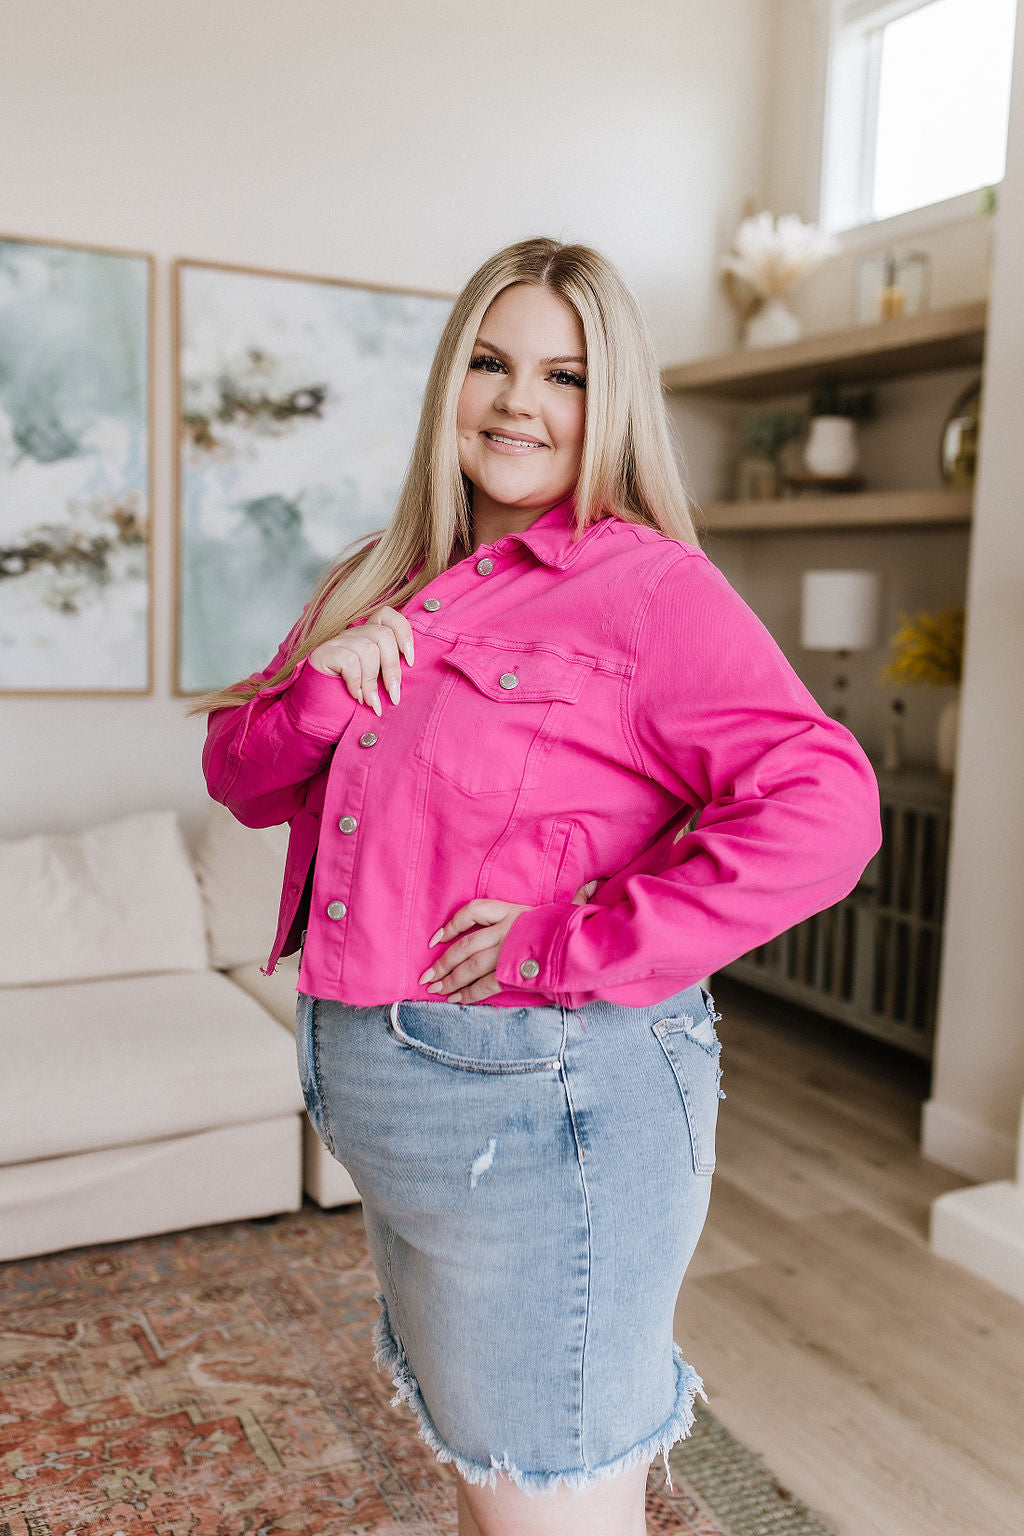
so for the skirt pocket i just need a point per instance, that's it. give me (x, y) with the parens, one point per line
(479, 1038)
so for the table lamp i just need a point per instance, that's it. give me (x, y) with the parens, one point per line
(840, 611)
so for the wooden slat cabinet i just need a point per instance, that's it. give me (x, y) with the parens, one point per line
(872, 961)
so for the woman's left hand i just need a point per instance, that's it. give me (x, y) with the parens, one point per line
(465, 972)
(469, 965)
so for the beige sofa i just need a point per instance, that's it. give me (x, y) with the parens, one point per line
(147, 1068)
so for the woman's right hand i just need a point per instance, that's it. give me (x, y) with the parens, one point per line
(364, 652)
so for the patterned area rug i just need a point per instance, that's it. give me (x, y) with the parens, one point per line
(220, 1383)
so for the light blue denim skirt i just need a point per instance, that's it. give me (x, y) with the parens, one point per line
(534, 1182)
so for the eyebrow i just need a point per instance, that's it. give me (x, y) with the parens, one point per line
(493, 347)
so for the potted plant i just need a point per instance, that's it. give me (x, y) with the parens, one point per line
(769, 257)
(831, 450)
(767, 435)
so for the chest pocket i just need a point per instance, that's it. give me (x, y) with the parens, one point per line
(497, 713)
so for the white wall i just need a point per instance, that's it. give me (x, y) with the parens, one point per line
(398, 143)
(972, 1118)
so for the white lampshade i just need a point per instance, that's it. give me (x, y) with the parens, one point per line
(840, 610)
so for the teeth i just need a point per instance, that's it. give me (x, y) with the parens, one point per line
(517, 442)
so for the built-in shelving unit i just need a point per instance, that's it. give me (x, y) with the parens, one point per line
(871, 961)
(946, 338)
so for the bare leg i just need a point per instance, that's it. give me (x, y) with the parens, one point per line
(611, 1508)
(467, 1525)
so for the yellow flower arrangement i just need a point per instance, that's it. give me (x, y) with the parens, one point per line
(928, 649)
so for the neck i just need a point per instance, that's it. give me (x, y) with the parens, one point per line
(491, 522)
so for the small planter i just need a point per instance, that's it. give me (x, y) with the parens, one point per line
(831, 448)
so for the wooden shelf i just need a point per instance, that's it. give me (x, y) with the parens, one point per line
(867, 509)
(946, 338)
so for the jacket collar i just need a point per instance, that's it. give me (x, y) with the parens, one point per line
(550, 538)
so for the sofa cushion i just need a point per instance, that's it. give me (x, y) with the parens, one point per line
(109, 1063)
(240, 872)
(117, 899)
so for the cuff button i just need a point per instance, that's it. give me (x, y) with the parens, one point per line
(529, 969)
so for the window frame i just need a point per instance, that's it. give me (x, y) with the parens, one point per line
(850, 124)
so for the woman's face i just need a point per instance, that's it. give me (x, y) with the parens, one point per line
(522, 408)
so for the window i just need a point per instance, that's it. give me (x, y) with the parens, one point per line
(918, 102)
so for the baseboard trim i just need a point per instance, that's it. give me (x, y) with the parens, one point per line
(975, 1151)
(982, 1230)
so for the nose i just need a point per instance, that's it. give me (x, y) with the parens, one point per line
(515, 396)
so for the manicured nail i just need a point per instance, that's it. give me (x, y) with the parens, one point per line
(428, 975)
(436, 939)
(394, 693)
(454, 997)
(435, 988)
(374, 703)
(407, 652)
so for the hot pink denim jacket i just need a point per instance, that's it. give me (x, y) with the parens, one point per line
(572, 706)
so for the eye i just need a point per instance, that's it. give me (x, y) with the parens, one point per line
(484, 363)
(565, 376)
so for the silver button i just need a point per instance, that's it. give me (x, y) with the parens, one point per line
(431, 604)
(347, 824)
(508, 680)
(368, 739)
(336, 909)
(485, 566)
(528, 968)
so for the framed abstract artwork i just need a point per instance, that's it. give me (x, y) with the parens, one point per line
(298, 403)
(75, 487)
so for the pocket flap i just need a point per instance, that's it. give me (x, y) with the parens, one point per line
(539, 674)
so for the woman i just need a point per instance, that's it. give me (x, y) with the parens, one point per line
(589, 779)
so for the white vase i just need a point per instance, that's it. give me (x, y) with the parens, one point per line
(947, 733)
(772, 326)
(831, 447)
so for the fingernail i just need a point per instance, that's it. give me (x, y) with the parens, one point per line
(427, 976)
(407, 652)
(435, 988)
(394, 693)
(375, 703)
(436, 939)
(453, 997)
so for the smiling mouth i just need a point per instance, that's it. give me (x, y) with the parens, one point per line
(516, 444)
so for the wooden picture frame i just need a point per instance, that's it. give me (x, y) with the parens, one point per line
(76, 469)
(297, 401)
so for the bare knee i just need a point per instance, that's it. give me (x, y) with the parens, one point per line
(614, 1507)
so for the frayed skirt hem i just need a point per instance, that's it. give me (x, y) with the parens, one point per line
(389, 1355)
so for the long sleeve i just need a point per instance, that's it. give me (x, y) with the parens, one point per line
(260, 755)
(787, 801)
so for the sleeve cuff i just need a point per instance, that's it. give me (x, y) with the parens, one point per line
(319, 703)
(530, 958)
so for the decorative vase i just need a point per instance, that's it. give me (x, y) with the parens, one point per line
(772, 326)
(831, 448)
(947, 733)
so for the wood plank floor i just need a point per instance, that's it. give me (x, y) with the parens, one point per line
(882, 1384)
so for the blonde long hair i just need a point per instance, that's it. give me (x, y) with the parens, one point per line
(628, 466)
